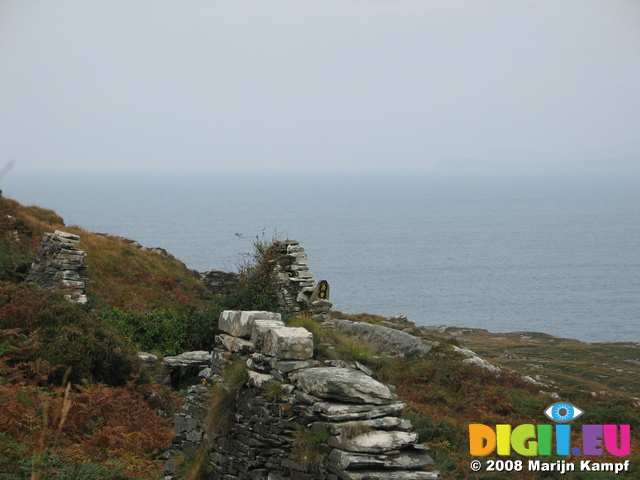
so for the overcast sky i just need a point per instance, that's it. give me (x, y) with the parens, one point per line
(353, 83)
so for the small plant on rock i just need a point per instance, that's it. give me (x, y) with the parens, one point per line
(274, 391)
(352, 430)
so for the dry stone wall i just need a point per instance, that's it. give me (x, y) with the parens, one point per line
(287, 396)
(60, 265)
(294, 284)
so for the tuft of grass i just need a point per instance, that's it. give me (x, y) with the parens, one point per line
(222, 407)
(309, 447)
(274, 391)
(350, 349)
(352, 430)
(236, 374)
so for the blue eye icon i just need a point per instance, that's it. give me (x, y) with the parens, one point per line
(562, 412)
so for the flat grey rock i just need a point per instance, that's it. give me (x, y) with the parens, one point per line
(342, 384)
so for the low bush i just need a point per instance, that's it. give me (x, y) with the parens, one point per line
(162, 330)
(255, 287)
(166, 331)
(68, 335)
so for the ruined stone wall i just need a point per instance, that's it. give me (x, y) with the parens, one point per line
(59, 266)
(295, 286)
(292, 280)
(288, 393)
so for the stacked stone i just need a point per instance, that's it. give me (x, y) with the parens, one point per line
(367, 440)
(293, 282)
(60, 266)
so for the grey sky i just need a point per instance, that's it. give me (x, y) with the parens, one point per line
(351, 83)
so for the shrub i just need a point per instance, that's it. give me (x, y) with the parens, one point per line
(201, 327)
(162, 330)
(255, 288)
(69, 336)
(17, 245)
(273, 390)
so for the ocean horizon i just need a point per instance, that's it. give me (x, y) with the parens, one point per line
(554, 252)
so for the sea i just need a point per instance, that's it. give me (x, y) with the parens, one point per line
(546, 251)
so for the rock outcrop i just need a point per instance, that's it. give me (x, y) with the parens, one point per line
(219, 281)
(287, 401)
(59, 266)
(388, 339)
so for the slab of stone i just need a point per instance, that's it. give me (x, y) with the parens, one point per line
(340, 412)
(240, 323)
(260, 328)
(149, 360)
(219, 358)
(291, 343)
(383, 423)
(287, 366)
(386, 338)
(68, 237)
(410, 460)
(342, 384)
(188, 359)
(236, 344)
(375, 441)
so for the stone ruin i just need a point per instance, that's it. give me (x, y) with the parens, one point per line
(360, 417)
(59, 266)
(295, 286)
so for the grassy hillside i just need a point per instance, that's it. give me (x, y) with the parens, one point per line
(76, 403)
(121, 274)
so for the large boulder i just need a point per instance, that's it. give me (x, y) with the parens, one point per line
(342, 384)
(388, 339)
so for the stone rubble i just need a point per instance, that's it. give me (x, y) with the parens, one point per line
(366, 438)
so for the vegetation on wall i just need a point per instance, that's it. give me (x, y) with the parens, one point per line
(255, 288)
